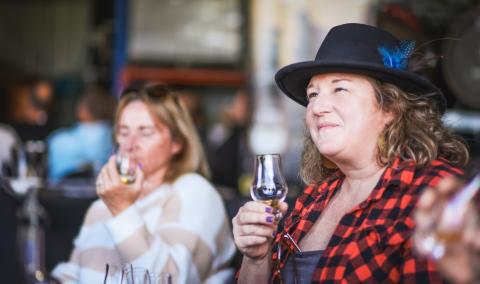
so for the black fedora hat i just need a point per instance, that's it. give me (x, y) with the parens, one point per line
(359, 49)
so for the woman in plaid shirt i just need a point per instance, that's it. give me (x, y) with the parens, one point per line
(375, 141)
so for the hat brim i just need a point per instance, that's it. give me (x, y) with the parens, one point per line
(293, 79)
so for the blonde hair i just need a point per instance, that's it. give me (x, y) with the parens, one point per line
(165, 106)
(416, 133)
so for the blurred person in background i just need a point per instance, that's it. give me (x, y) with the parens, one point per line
(32, 103)
(80, 151)
(375, 140)
(461, 260)
(170, 219)
(227, 142)
(193, 103)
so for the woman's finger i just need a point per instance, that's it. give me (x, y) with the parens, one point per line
(111, 171)
(245, 218)
(250, 241)
(255, 206)
(427, 199)
(449, 185)
(475, 240)
(139, 176)
(101, 181)
(256, 230)
(283, 207)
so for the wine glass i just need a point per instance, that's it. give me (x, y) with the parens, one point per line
(448, 229)
(137, 275)
(115, 273)
(140, 275)
(126, 163)
(162, 278)
(268, 184)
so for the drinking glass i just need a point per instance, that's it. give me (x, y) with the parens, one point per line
(447, 229)
(139, 275)
(115, 273)
(126, 163)
(268, 185)
(25, 170)
(162, 278)
(136, 275)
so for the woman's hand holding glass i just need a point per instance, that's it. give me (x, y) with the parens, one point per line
(268, 185)
(126, 164)
(254, 226)
(256, 222)
(119, 187)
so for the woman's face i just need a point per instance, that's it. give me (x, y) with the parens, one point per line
(343, 116)
(146, 138)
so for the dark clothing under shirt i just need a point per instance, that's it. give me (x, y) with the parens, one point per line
(300, 266)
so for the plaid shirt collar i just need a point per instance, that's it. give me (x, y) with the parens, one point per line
(391, 179)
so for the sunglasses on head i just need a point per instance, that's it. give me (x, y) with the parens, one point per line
(152, 91)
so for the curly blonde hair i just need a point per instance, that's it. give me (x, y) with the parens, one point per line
(416, 133)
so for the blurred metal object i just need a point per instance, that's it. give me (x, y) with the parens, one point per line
(461, 64)
(27, 167)
(35, 155)
(32, 219)
(9, 139)
(462, 121)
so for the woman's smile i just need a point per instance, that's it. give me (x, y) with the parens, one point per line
(326, 125)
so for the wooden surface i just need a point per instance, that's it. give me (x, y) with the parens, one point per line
(184, 76)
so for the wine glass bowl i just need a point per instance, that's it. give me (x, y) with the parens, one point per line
(268, 185)
(126, 166)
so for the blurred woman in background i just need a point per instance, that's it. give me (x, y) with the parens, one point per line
(170, 219)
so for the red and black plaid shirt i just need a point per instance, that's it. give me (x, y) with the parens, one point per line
(372, 242)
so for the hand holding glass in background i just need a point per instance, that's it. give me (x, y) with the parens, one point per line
(447, 228)
(448, 220)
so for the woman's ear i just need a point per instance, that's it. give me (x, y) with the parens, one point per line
(388, 117)
(177, 146)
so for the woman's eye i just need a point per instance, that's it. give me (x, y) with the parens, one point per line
(147, 133)
(311, 95)
(123, 134)
(336, 90)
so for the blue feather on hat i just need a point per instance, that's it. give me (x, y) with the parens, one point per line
(397, 57)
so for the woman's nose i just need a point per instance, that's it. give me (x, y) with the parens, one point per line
(131, 143)
(320, 105)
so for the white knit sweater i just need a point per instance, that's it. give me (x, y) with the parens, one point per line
(181, 228)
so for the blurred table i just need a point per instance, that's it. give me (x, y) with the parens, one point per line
(65, 209)
(65, 205)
